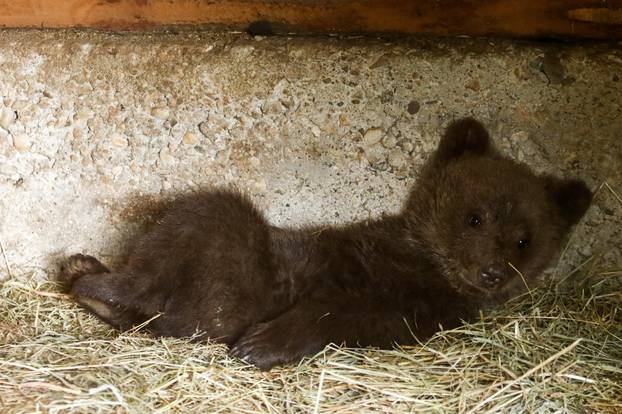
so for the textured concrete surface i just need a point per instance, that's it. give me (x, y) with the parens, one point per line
(316, 130)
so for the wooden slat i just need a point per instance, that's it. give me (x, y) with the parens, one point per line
(571, 19)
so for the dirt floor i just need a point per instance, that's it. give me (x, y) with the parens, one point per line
(315, 129)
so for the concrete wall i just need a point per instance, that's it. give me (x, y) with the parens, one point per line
(316, 130)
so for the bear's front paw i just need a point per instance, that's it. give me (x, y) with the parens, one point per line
(265, 346)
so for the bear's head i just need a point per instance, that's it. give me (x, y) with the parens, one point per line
(490, 223)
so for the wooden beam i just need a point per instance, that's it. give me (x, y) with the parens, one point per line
(566, 19)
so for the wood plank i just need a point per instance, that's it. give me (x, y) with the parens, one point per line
(567, 19)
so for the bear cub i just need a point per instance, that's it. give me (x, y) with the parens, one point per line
(476, 229)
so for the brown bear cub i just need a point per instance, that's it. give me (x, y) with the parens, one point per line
(476, 229)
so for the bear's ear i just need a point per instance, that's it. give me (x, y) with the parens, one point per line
(572, 197)
(464, 136)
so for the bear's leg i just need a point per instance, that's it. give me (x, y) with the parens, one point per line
(110, 296)
(316, 321)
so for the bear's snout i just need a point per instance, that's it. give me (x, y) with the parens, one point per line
(493, 275)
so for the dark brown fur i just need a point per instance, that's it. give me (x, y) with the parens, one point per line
(214, 267)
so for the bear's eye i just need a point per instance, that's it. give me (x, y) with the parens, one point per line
(522, 243)
(474, 220)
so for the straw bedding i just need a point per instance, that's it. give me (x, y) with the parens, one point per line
(557, 349)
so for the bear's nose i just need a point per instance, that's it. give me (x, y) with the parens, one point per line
(493, 275)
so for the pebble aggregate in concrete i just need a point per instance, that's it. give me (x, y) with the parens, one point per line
(315, 129)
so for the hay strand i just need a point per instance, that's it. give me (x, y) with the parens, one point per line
(6, 260)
